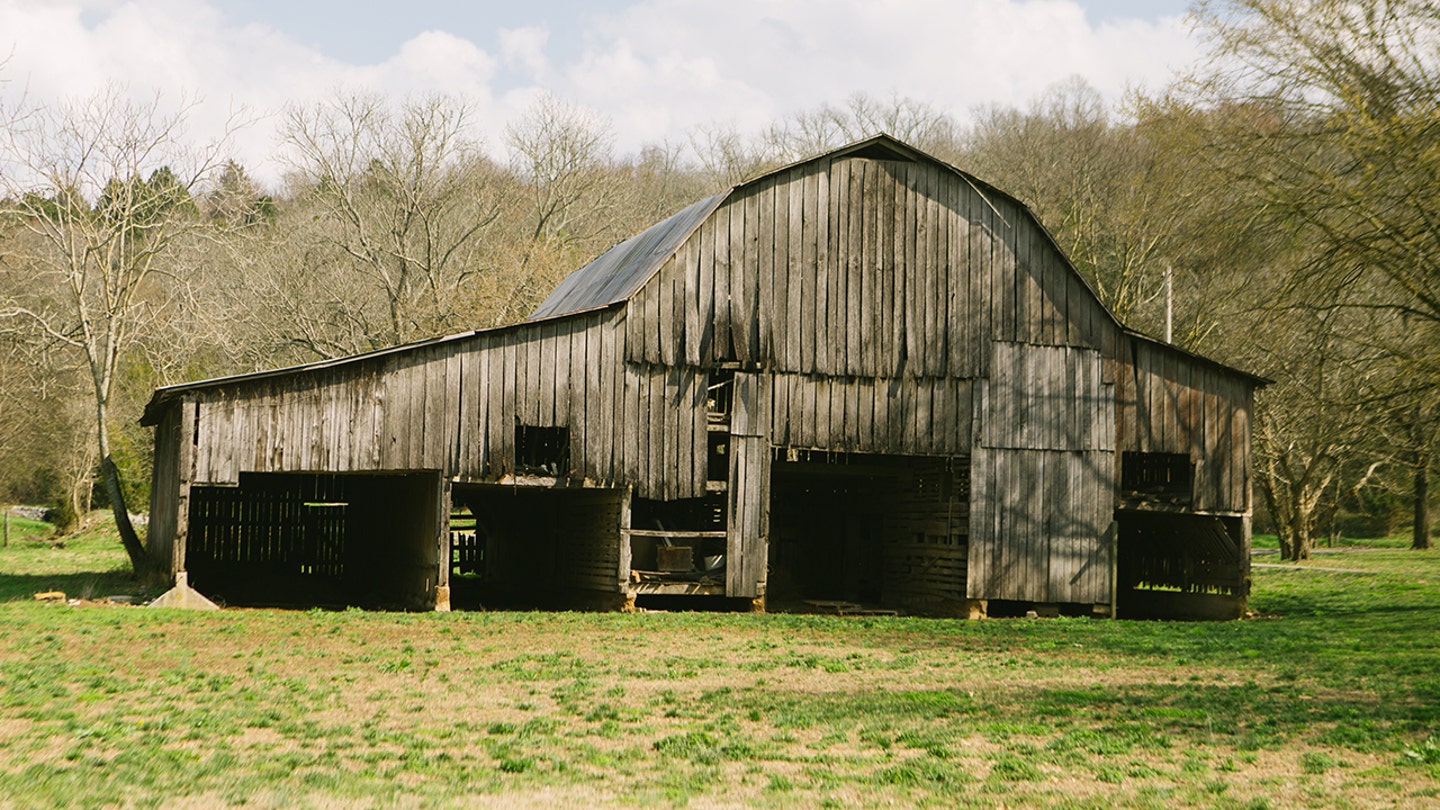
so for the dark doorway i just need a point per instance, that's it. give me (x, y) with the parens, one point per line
(538, 547)
(1180, 566)
(888, 531)
(306, 540)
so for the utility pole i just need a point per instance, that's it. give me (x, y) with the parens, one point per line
(1169, 304)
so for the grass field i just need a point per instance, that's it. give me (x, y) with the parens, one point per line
(1330, 699)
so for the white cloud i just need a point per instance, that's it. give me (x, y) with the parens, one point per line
(655, 67)
(523, 49)
(676, 63)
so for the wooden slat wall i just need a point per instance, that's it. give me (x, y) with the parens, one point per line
(925, 556)
(165, 491)
(1042, 477)
(862, 268)
(748, 519)
(1048, 398)
(925, 416)
(1169, 402)
(1039, 525)
(584, 532)
(454, 406)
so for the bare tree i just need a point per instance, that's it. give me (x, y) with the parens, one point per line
(862, 115)
(98, 197)
(728, 158)
(404, 198)
(1340, 148)
(563, 158)
(1111, 192)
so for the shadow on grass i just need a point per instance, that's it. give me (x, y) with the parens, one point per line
(80, 585)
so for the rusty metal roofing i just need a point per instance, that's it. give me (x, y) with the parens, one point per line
(620, 271)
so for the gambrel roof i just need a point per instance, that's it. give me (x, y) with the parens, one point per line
(620, 273)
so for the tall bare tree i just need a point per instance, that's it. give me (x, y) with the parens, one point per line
(1342, 149)
(97, 201)
(563, 159)
(402, 197)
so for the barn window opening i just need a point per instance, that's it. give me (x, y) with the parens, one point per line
(720, 395)
(717, 465)
(1157, 477)
(542, 450)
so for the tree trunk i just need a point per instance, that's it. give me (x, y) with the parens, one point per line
(1421, 537)
(1294, 538)
(140, 561)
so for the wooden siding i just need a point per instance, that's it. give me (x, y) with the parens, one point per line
(1048, 398)
(862, 268)
(925, 556)
(1042, 478)
(1040, 525)
(748, 520)
(1170, 402)
(165, 492)
(916, 416)
(454, 407)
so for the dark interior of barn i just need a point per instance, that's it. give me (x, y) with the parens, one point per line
(856, 532)
(1174, 565)
(523, 547)
(316, 540)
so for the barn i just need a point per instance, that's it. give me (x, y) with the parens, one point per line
(868, 378)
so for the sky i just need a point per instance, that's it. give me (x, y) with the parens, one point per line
(655, 69)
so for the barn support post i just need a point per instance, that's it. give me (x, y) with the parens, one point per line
(189, 431)
(622, 573)
(1244, 589)
(442, 547)
(747, 545)
(1112, 533)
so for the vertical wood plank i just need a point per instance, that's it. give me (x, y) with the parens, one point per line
(782, 317)
(664, 283)
(912, 284)
(980, 288)
(717, 247)
(742, 303)
(770, 284)
(838, 267)
(940, 191)
(798, 315)
(824, 284)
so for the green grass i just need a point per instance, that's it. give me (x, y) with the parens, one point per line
(1332, 699)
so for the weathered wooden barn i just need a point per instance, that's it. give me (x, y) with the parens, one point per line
(867, 377)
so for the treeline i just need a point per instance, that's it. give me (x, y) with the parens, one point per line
(1276, 210)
